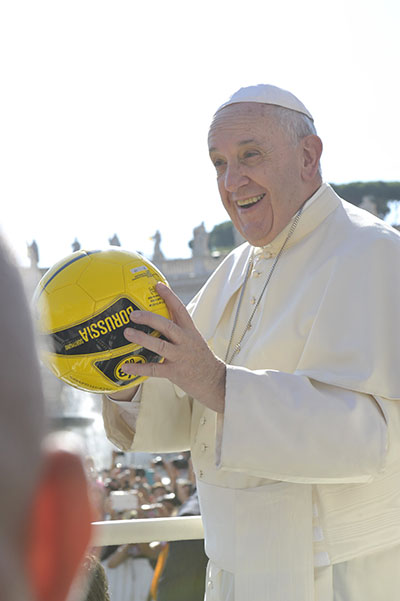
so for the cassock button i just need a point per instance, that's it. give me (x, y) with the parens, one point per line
(256, 273)
(203, 420)
(201, 473)
(210, 584)
(265, 254)
(203, 447)
(253, 300)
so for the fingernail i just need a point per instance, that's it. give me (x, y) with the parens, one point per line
(135, 315)
(129, 332)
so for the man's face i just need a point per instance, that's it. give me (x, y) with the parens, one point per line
(258, 171)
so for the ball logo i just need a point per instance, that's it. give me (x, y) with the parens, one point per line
(119, 372)
(101, 332)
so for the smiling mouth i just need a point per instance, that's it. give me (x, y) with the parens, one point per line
(249, 202)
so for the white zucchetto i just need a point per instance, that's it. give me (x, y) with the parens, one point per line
(268, 94)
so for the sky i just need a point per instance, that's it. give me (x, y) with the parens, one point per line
(105, 108)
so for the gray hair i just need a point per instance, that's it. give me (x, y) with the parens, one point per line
(296, 125)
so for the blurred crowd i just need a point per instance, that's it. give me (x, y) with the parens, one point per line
(123, 491)
(149, 571)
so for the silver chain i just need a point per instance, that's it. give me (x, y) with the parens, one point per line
(229, 359)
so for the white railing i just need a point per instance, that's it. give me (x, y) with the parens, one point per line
(121, 532)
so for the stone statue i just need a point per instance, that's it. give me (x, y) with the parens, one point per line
(76, 245)
(114, 241)
(33, 254)
(158, 254)
(200, 241)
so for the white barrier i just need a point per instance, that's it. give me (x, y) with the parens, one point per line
(120, 532)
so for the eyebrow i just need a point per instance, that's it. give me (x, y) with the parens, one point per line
(242, 143)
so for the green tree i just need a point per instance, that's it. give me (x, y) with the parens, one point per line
(221, 237)
(381, 192)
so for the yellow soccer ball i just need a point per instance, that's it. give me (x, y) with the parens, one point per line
(81, 308)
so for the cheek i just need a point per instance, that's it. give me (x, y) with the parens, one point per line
(265, 176)
(222, 193)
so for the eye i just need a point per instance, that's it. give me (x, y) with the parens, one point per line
(250, 154)
(219, 164)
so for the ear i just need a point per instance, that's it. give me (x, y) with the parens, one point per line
(60, 526)
(312, 150)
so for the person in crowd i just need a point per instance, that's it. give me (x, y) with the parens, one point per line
(184, 563)
(282, 375)
(129, 567)
(45, 510)
(96, 488)
(96, 580)
(158, 490)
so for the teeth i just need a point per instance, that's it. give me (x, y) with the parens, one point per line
(249, 201)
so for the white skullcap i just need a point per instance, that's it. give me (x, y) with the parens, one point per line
(267, 94)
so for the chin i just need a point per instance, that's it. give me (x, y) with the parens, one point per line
(257, 241)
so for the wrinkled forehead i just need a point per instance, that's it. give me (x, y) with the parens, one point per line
(245, 120)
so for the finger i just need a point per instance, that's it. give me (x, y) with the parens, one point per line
(156, 322)
(152, 343)
(150, 370)
(175, 305)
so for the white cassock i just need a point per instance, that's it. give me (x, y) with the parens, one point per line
(299, 480)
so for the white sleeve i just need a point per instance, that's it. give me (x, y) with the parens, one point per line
(129, 411)
(288, 427)
(158, 419)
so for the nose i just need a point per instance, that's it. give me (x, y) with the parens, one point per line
(234, 177)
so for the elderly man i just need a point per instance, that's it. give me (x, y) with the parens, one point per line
(45, 511)
(283, 375)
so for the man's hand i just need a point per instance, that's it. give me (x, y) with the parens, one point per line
(188, 361)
